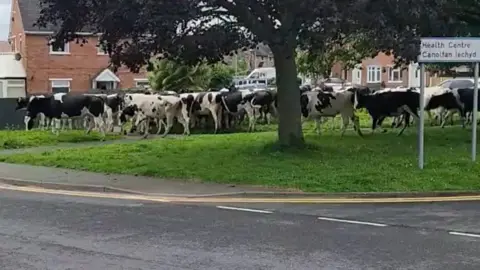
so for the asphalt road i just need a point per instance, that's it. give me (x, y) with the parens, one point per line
(40, 231)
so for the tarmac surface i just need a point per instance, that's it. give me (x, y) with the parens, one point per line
(46, 231)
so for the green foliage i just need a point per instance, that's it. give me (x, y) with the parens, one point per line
(174, 76)
(349, 51)
(221, 75)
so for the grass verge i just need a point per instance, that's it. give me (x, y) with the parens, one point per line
(14, 139)
(378, 162)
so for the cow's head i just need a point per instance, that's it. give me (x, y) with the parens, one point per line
(21, 103)
(127, 113)
(35, 105)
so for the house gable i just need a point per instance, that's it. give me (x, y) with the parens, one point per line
(107, 76)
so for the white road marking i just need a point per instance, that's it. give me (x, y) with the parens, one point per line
(353, 222)
(244, 209)
(465, 234)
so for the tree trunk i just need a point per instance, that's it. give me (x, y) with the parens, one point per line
(290, 134)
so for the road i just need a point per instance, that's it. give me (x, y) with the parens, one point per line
(40, 231)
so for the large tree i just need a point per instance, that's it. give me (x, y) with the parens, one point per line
(194, 30)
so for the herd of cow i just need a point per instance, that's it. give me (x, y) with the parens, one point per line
(229, 107)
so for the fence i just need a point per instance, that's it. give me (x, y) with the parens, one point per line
(9, 118)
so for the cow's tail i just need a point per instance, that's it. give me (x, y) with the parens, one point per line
(225, 105)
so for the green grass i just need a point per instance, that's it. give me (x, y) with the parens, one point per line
(378, 162)
(14, 139)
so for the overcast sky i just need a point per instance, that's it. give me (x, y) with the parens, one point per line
(4, 18)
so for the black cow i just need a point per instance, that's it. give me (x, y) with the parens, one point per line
(387, 104)
(264, 99)
(69, 105)
(466, 98)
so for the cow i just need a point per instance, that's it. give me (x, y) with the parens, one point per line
(209, 103)
(318, 104)
(261, 101)
(231, 104)
(159, 107)
(383, 104)
(22, 103)
(61, 106)
(466, 98)
(447, 102)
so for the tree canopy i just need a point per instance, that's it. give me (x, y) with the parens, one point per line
(195, 30)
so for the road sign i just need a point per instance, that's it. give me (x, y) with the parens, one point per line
(449, 50)
(455, 50)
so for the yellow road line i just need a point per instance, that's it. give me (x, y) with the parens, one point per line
(240, 200)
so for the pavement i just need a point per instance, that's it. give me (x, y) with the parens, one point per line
(42, 231)
(66, 179)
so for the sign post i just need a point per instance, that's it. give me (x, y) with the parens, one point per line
(448, 50)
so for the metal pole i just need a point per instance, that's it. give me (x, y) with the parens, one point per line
(474, 116)
(421, 124)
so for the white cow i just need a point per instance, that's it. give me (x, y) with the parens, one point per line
(159, 107)
(318, 104)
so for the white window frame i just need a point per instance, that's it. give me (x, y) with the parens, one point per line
(100, 51)
(140, 80)
(376, 77)
(66, 81)
(391, 79)
(66, 48)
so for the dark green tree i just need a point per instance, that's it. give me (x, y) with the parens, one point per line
(194, 30)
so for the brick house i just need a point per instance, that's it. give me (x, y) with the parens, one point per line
(373, 71)
(66, 68)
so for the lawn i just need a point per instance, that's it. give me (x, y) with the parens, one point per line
(13, 139)
(378, 162)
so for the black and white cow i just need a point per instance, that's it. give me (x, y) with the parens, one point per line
(22, 103)
(61, 106)
(383, 104)
(206, 104)
(231, 103)
(447, 102)
(318, 104)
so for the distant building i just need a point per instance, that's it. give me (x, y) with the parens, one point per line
(70, 67)
(373, 71)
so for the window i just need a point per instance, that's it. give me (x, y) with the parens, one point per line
(61, 49)
(374, 74)
(60, 85)
(394, 75)
(16, 88)
(142, 83)
(100, 50)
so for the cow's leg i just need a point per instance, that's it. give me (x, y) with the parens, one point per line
(379, 123)
(318, 125)
(445, 117)
(216, 115)
(375, 120)
(160, 124)
(184, 122)
(56, 126)
(356, 124)
(100, 122)
(407, 119)
(345, 122)
(170, 118)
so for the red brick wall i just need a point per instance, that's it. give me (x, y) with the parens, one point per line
(382, 60)
(17, 36)
(81, 65)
